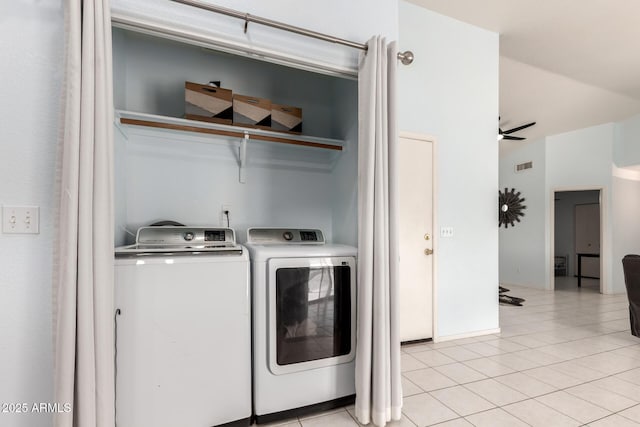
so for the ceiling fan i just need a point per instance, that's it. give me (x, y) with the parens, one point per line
(506, 134)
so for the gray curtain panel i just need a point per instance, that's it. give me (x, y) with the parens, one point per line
(83, 282)
(378, 378)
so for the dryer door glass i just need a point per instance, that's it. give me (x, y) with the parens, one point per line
(313, 313)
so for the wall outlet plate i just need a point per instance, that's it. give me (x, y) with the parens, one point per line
(21, 219)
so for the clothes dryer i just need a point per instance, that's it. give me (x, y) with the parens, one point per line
(304, 302)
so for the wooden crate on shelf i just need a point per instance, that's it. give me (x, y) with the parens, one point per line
(251, 111)
(208, 103)
(286, 118)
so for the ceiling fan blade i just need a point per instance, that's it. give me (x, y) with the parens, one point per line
(513, 138)
(506, 132)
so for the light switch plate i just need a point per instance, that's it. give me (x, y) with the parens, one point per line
(446, 231)
(21, 219)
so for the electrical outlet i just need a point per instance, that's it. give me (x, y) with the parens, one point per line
(225, 219)
(446, 231)
(21, 219)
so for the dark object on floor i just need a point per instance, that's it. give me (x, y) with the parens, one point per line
(631, 267)
(506, 299)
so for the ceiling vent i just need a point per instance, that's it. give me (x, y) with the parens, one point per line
(524, 166)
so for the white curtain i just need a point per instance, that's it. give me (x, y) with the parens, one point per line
(83, 282)
(378, 378)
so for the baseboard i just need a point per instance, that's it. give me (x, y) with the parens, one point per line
(466, 335)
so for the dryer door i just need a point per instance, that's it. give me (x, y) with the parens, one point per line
(311, 313)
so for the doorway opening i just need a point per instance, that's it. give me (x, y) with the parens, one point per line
(577, 237)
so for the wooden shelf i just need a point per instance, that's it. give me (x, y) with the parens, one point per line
(178, 124)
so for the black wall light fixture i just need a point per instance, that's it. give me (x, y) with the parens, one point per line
(510, 207)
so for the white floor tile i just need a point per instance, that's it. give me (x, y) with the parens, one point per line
(409, 388)
(539, 357)
(538, 415)
(461, 400)
(552, 377)
(632, 376)
(458, 422)
(573, 406)
(483, 349)
(414, 348)
(425, 410)
(488, 367)
(507, 345)
(432, 358)
(614, 420)
(410, 363)
(515, 362)
(632, 413)
(403, 422)
(496, 392)
(631, 351)
(322, 413)
(528, 341)
(429, 379)
(459, 353)
(616, 385)
(340, 419)
(604, 398)
(495, 418)
(564, 358)
(609, 363)
(578, 371)
(288, 423)
(525, 384)
(460, 373)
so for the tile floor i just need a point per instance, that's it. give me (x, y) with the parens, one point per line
(566, 358)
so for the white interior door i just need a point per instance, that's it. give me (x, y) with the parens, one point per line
(416, 238)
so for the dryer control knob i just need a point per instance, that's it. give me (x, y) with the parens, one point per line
(188, 236)
(287, 235)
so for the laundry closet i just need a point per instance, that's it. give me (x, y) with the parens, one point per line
(166, 171)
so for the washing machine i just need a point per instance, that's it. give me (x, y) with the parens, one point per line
(183, 329)
(304, 322)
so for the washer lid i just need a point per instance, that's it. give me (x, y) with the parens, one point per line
(285, 236)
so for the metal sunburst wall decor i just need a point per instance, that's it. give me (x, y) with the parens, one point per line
(510, 207)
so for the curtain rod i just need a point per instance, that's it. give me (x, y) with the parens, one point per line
(405, 57)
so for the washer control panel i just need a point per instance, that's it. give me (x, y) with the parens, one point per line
(284, 236)
(176, 236)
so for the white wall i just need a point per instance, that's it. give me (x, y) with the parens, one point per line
(627, 144)
(451, 93)
(626, 226)
(522, 258)
(31, 43)
(344, 179)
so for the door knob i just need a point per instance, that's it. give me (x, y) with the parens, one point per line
(428, 251)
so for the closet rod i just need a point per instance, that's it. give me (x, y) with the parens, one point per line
(405, 57)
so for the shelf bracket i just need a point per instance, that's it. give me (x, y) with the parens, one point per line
(243, 157)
